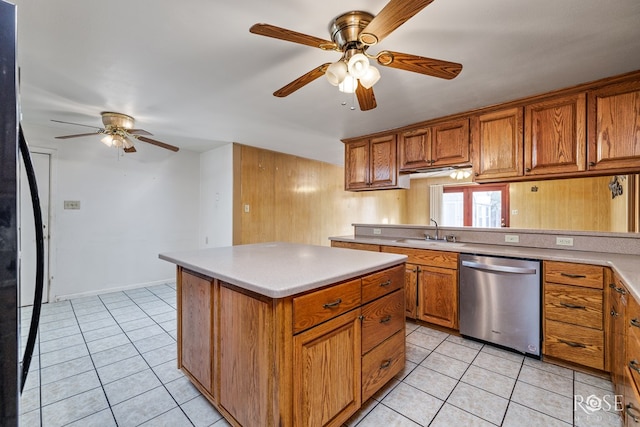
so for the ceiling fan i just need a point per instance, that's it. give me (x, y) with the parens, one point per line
(118, 132)
(352, 33)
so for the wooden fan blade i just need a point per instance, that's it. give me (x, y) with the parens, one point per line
(76, 124)
(291, 36)
(302, 81)
(129, 150)
(366, 98)
(420, 64)
(394, 14)
(78, 135)
(138, 132)
(157, 143)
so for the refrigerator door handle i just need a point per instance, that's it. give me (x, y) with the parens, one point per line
(39, 229)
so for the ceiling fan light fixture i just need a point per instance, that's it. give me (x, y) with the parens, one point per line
(358, 65)
(370, 78)
(336, 72)
(349, 84)
(107, 140)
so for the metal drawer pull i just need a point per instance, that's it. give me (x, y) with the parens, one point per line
(633, 364)
(568, 305)
(385, 364)
(333, 304)
(635, 322)
(387, 283)
(573, 344)
(628, 409)
(617, 289)
(385, 319)
(574, 276)
(614, 313)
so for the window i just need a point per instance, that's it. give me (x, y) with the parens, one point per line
(476, 206)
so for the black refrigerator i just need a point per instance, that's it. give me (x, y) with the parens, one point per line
(14, 363)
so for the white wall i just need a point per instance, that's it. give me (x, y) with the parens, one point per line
(133, 207)
(216, 197)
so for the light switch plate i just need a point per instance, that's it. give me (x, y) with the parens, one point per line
(72, 204)
(564, 241)
(511, 238)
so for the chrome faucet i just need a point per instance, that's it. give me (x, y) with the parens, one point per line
(437, 236)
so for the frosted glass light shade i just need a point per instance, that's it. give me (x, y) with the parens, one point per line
(370, 78)
(107, 140)
(358, 65)
(349, 84)
(336, 72)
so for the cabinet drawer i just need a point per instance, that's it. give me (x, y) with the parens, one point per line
(633, 352)
(425, 256)
(590, 276)
(381, 319)
(316, 307)
(572, 304)
(378, 284)
(382, 363)
(577, 344)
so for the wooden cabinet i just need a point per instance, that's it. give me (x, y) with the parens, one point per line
(353, 245)
(573, 313)
(411, 290)
(497, 144)
(618, 296)
(439, 145)
(614, 127)
(432, 276)
(372, 164)
(309, 359)
(555, 136)
(196, 330)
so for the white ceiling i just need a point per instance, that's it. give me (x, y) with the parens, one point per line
(190, 72)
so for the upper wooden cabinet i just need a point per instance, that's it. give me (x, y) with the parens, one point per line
(497, 144)
(372, 164)
(614, 125)
(443, 144)
(555, 135)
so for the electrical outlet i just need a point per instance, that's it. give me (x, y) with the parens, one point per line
(514, 211)
(377, 231)
(564, 241)
(72, 204)
(511, 238)
(246, 208)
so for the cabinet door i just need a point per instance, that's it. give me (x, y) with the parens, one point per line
(356, 165)
(414, 146)
(450, 143)
(384, 162)
(438, 296)
(411, 290)
(195, 328)
(327, 366)
(555, 135)
(497, 144)
(614, 127)
(617, 348)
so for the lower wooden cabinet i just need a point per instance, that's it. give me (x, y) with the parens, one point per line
(573, 323)
(618, 297)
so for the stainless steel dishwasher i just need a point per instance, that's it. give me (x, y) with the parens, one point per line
(500, 301)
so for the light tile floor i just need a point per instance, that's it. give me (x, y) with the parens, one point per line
(110, 360)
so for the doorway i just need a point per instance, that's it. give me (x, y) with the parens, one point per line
(27, 237)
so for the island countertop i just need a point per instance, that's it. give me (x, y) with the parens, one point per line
(279, 269)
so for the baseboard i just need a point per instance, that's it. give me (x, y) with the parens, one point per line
(114, 289)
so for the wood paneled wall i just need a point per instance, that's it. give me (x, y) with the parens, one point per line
(568, 204)
(293, 199)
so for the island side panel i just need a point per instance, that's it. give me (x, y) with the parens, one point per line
(247, 376)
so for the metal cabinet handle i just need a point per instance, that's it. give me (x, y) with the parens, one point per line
(635, 322)
(573, 344)
(386, 319)
(574, 276)
(614, 313)
(628, 409)
(592, 163)
(385, 364)
(527, 170)
(633, 364)
(333, 304)
(569, 305)
(387, 283)
(617, 289)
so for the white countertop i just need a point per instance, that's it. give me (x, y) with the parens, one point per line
(281, 269)
(626, 266)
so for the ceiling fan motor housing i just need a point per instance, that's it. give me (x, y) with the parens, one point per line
(346, 28)
(117, 120)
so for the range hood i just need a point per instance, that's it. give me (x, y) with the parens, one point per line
(439, 171)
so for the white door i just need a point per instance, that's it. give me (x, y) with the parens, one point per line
(41, 165)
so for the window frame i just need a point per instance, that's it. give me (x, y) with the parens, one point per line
(467, 196)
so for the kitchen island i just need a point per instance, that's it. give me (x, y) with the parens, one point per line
(281, 334)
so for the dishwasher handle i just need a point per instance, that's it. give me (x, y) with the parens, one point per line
(499, 268)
